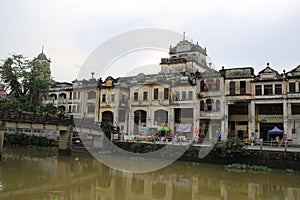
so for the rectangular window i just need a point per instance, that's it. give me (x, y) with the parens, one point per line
(166, 93)
(103, 97)
(183, 96)
(258, 90)
(92, 95)
(71, 95)
(123, 98)
(155, 93)
(232, 88)
(74, 95)
(78, 95)
(295, 109)
(268, 89)
(242, 87)
(278, 89)
(292, 87)
(136, 96)
(145, 95)
(190, 95)
(112, 97)
(177, 96)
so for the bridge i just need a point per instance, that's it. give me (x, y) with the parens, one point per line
(66, 125)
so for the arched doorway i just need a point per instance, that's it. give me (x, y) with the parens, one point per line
(108, 117)
(140, 120)
(161, 117)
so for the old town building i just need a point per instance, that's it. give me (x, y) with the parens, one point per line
(190, 98)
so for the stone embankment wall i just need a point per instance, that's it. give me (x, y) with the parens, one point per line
(272, 159)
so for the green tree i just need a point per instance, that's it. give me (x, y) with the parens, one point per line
(25, 79)
(47, 108)
(231, 148)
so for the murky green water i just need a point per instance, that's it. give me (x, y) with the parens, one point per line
(35, 174)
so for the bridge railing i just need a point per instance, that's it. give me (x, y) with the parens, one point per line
(30, 117)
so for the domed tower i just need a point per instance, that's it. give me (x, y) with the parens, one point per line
(45, 64)
(185, 56)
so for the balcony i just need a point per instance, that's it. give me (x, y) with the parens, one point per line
(107, 104)
(181, 101)
(140, 103)
(123, 103)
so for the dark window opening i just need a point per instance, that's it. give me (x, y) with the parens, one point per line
(155, 95)
(166, 93)
(136, 96)
(258, 90)
(268, 89)
(278, 89)
(232, 88)
(292, 87)
(242, 87)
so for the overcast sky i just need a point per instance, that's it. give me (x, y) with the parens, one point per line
(236, 33)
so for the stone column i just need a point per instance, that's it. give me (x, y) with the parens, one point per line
(172, 120)
(251, 123)
(2, 132)
(285, 117)
(225, 133)
(65, 141)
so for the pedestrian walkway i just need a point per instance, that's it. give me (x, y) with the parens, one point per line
(273, 148)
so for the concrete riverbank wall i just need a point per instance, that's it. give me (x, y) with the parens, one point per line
(271, 159)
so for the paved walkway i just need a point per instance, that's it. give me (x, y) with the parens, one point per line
(273, 148)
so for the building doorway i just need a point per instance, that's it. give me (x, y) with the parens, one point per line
(108, 117)
(140, 120)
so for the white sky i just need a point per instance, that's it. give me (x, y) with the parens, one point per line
(235, 32)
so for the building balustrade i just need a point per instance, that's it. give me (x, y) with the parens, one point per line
(31, 117)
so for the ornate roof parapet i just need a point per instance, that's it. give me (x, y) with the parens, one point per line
(235, 73)
(268, 73)
(294, 73)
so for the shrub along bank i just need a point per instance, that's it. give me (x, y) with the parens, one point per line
(21, 139)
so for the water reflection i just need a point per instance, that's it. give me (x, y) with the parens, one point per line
(40, 175)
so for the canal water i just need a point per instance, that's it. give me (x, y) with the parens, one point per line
(30, 174)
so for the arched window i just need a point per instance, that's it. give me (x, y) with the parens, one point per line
(217, 85)
(209, 84)
(202, 86)
(201, 105)
(53, 96)
(218, 105)
(209, 104)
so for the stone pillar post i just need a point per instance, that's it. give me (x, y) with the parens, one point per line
(2, 132)
(172, 120)
(285, 117)
(65, 141)
(251, 123)
(225, 134)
